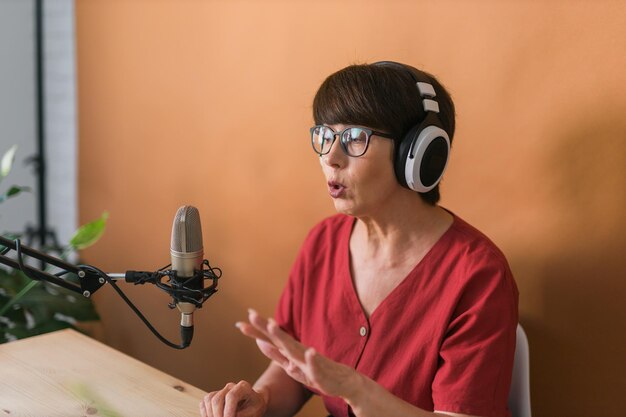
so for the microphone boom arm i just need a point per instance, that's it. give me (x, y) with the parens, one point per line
(89, 281)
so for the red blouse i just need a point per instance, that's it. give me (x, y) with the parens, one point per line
(443, 339)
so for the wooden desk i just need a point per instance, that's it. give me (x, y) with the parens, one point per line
(67, 374)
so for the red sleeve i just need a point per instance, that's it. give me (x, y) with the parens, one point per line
(288, 313)
(476, 357)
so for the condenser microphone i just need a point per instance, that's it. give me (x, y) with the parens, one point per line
(184, 281)
(186, 251)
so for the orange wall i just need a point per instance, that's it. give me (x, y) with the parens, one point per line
(208, 103)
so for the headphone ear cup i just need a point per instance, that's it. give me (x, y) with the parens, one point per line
(402, 153)
(426, 159)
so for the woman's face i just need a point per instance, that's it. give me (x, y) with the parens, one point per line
(360, 186)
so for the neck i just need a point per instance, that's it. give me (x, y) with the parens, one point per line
(395, 231)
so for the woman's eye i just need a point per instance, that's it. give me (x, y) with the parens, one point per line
(357, 136)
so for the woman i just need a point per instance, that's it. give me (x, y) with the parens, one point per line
(394, 306)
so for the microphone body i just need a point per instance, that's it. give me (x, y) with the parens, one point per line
(187, 253)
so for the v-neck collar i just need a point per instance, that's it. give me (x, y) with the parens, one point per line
(414, 274)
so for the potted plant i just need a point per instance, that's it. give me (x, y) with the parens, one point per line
(29, 307)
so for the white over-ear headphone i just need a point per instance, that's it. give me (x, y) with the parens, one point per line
(422, 155)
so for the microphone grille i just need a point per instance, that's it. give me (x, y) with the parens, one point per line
(186, 230)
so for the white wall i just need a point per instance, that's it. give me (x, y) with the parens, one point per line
(18, 112)
(61, 117)
(17, 107)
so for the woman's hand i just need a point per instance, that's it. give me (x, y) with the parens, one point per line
(234, 400)
(301, 363)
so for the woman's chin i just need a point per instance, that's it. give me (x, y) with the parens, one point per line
(345, 207)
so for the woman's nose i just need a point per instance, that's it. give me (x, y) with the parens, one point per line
(335, 156)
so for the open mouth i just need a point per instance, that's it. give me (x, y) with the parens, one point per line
(336, 189)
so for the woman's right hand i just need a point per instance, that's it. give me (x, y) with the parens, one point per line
(234, 400)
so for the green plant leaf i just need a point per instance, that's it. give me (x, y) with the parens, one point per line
(18, 296)
(89, 233)
(14, 284)
(28, 307)
(12, 192)
(21, 331)
(43, 304)
(7, 162)
(88, 396)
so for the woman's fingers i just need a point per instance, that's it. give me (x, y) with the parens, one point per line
(268, 331)
(233, 400)
(251, 331)
(259, 328)
(290, 347)
(255, 330)
(206, 404)
(203, 405)
(210, 404)
(272, 352)
(300, 362)
(217, 401)
(264, 343)
(258, 321)
(312, 360)
(276, 344)
(239, 395)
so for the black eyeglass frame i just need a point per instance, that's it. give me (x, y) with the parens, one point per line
(368, 135)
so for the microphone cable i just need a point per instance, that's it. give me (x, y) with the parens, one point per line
(173, 292)
(132, 306)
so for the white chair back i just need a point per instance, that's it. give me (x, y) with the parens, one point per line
(519, 396)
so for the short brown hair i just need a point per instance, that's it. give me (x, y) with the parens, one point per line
(382, 97)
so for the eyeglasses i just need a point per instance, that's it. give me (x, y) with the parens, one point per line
(353, 140)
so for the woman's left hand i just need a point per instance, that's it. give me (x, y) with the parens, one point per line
(300, 362)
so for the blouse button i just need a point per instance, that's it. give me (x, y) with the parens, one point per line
(363, 331)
